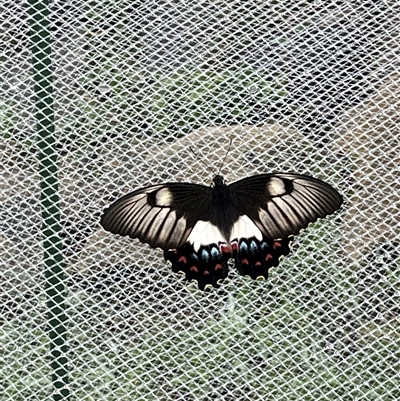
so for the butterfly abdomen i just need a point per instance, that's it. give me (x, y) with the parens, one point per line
(222, 212)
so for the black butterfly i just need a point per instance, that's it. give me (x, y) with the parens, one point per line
(200, 228)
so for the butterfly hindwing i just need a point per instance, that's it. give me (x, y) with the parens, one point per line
(254, 258)
(208, 265)
(160, 215)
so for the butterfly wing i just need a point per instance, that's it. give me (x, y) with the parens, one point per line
(176, 218)
(254, 258)
(281, 205)
(207, 265)
(160, 215)
(273, 208)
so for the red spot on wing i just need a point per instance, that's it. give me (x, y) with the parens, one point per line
(268, 256)
(194, 269)
(224, 248)
(234, 245)
(182, 259)
(244, 262)
(206, 272)
(258, 263)
(277, 245)
(218, 266)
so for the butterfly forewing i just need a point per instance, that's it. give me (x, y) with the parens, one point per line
(283, 204)
(160, 215)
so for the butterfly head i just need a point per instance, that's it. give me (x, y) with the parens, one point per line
(218, 181)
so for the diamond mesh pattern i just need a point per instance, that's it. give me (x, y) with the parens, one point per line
(309, 87)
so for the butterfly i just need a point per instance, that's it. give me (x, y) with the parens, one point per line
(201, 228)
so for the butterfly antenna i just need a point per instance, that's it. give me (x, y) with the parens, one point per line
(226, 155)
(196, 156)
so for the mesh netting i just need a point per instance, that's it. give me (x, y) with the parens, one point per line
(308, 87)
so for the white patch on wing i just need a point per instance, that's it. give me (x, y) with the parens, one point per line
(245, 228)
(276, 186)
(205, 233)
(164, 197)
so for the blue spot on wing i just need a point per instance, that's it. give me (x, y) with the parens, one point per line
(215, 253)
(243, 246)
(205, 255)
(253, 247)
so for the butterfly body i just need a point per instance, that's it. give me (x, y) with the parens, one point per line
(200, 228)
(222, 213)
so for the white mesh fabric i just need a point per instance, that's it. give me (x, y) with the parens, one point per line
(307, 87)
